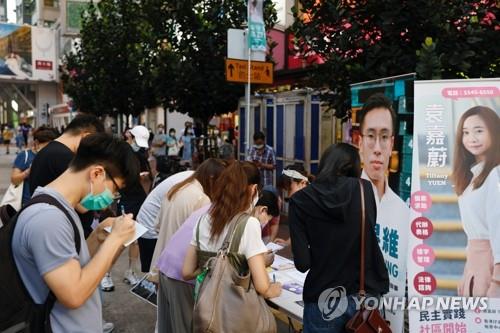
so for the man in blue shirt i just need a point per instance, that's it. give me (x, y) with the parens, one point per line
(263, 156)
(21, 168)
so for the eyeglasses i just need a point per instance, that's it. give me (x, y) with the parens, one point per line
(383, 138)
(116, 195)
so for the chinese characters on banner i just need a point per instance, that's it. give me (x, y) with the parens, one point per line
(256, 27)
(454, 237)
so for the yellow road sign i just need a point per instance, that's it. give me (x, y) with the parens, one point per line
(260, 71)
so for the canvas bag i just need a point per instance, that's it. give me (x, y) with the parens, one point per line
(14, 194)
(364, 320)
(227, 301)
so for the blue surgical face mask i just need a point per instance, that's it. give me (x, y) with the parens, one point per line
(258, 146)
(135, 146)
(97, 201)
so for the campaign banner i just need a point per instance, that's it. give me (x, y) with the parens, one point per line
(256, 27)
(27, 53)
(454, 238)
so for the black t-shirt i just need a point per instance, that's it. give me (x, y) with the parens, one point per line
(133, 196)
(49, 163)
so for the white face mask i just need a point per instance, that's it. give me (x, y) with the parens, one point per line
(265, 222)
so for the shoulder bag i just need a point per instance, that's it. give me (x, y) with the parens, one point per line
(227, 301)
(365, 321)
(14, 194)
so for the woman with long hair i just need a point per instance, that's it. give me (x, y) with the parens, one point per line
(182, 200)
(236, 192)
(476, 176)
(325, 228)
(174, 307)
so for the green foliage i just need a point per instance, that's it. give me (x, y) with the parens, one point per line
(197, 31)
(364, 40)
(120, 66)
(137, 54)
(429, 64)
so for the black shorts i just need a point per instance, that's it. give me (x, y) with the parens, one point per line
(146, 250)
(6, 142)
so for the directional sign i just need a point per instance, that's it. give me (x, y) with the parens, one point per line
(260, 72)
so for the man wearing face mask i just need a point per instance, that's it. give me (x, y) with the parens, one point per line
(159, 142)
(44, 248)
(264, 158)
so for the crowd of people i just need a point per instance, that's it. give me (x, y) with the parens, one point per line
(100, 181)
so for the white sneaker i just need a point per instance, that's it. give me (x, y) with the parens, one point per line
(130, 277)
(107, 283)
(107, 327)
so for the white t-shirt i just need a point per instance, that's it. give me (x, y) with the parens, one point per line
(251, 242)
(479, 209)
(151, 206)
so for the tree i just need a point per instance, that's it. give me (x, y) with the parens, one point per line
(120, 66)
(363, 40)
(197, 33)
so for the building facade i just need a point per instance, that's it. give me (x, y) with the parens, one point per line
(3, 10)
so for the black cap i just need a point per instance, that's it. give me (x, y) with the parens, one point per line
(270, 200)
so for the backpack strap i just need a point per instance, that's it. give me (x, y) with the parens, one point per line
(51, 298)
(48, 199)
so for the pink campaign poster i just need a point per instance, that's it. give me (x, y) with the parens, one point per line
(454, 240)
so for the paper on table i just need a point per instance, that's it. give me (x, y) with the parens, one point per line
(274, 247)
(139, 231)
(296, 276)
(281, 263)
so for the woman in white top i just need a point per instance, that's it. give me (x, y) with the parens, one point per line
(476, 175)
(235, 192)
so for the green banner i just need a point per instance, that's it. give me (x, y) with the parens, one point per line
(256, 28)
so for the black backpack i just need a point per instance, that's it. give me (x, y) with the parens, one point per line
(18, 311)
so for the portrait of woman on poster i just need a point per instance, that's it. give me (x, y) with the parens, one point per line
(476, 177)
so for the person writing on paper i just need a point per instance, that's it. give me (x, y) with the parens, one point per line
(175, 296)
(476, 175)
(44, 246)
(236, 193)
(325, 228)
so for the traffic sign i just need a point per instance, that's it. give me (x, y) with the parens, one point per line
(260, 71)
